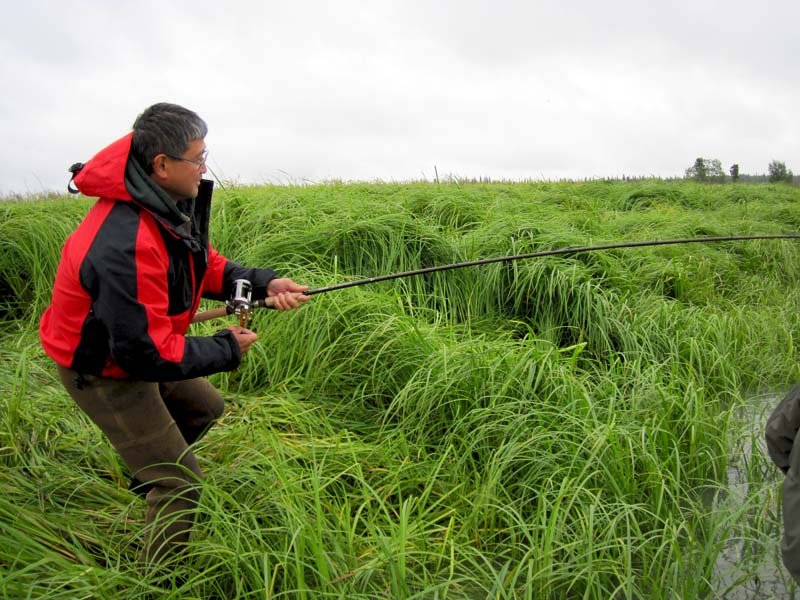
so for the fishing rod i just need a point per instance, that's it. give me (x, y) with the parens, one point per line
(241, 304)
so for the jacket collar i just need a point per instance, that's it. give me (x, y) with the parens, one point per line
(155, 200)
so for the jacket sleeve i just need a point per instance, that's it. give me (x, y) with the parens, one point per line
(221, 273)
(131, 298)
(782, 427)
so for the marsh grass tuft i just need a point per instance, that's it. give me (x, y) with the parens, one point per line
(556, 428)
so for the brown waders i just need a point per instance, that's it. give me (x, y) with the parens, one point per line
(152, 425)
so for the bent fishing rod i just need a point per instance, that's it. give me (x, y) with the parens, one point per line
(241, 304)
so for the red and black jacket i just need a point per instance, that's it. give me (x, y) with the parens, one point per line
(131, 277)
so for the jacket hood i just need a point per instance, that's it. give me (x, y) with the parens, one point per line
(103, 175)
(113, 173)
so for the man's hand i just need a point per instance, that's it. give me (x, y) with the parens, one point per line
(244, 336)
(286, 293)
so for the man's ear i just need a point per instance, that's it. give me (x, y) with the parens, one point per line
(160, 166)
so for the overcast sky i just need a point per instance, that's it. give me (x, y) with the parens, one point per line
(297, 91)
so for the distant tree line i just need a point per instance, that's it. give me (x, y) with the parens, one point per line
(710, 171)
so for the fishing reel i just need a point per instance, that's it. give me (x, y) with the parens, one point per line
(241, 301)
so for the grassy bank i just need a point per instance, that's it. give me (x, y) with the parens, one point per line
(554, 428)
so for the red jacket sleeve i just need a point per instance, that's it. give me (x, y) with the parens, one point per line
(221, 273)
(132, 300)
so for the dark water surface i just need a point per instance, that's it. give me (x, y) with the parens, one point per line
(745, 572)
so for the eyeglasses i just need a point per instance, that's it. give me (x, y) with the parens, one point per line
(200, 163)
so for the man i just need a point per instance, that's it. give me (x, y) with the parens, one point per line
(128, 285)
(782, 438)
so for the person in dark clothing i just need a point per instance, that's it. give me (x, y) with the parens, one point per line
(127, 287)
(783, 448)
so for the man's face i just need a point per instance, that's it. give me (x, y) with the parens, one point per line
(180, 176)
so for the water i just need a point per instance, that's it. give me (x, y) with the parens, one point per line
(743, 572)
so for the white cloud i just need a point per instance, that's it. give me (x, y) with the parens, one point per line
(386, 90)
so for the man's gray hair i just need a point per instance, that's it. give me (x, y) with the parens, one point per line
(165, 129)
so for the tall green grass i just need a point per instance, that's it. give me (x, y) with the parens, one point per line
(558, 428)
